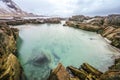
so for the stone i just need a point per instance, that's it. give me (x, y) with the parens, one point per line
(79, 73)
(113, 19)
(108, 30)
(111, 75)
(79, 18)
(10, 68)
(59, 73)
(90, 69)
(88, 27)
(39, 60)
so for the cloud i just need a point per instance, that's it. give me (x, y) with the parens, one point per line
(70, 7)
(97, 7)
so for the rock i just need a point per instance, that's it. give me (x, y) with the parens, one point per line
(59, 73)
(112, 20)
(95, 21)
(116, 65)
(86, 72)
(88, 27)
(111, 75)
(74, 78)
(70, 23)
(10, 68)
(79, 73)
(107, 31)
(79, 18)
(33, 21)
(112, 34)
(108, 26)
(40, 60)
(15, 32)
(53, 20)
(91, 70)
(84, 26)
(116, 42)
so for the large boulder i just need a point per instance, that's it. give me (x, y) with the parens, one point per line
(59, 73)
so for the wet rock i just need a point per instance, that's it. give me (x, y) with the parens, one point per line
(59, 73)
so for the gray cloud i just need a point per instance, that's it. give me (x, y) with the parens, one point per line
(70, 7)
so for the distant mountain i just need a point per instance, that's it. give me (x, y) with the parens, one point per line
(10, 8)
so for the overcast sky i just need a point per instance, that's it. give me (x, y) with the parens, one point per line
(70, 7)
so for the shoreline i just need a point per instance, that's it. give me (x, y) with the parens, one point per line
(89, 67)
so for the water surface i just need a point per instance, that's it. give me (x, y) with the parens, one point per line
(42, 47)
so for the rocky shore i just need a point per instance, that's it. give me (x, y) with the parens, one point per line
(107, 26)
(20, 21)
(10, 68)
(85, 72)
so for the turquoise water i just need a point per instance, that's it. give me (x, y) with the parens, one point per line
(42, 47)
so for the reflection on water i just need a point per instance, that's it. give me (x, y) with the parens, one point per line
(44, 46)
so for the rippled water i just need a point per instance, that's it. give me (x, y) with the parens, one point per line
(42, 47)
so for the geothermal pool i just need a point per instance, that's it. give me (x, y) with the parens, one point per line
(41, 47)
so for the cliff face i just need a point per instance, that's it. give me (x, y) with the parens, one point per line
(10, 68)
